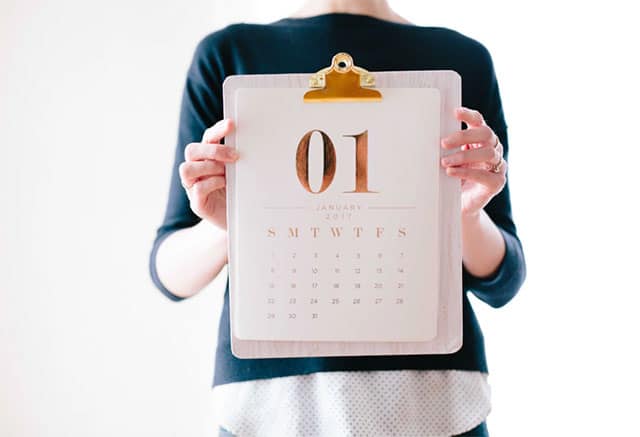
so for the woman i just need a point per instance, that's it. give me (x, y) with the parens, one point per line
(372, 395)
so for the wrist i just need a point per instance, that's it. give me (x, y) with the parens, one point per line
(214, 235)
(206, 227)
(472, 217)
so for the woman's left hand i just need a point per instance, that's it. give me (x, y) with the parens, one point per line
(478, 163)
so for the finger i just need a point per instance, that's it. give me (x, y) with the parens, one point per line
(201, 151)
(191, 171)
(216, 132)
(503, 166)
(469, 116)
(499, 148)
(481, 135)
(492, 180)
(202, 188)
(480, 154)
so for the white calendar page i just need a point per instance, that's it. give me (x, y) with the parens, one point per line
(312, 259)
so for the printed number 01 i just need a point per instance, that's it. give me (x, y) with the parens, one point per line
(329, 157)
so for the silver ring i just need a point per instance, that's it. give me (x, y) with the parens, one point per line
(497, 167)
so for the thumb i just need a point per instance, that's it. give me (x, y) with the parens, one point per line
(216, 132)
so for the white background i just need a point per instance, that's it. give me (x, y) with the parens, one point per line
(89, 99)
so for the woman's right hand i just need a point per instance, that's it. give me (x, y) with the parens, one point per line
(202, 174)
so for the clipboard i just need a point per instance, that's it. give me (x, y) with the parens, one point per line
(274, 293)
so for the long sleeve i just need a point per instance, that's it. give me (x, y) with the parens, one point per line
(201, 107)
(498, 289)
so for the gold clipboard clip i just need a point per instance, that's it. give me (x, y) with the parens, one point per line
(342, 81)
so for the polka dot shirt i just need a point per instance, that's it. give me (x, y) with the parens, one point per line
(356, 403)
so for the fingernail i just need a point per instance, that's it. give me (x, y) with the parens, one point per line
(446, 161)
(233, 153)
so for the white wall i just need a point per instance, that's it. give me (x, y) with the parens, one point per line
(88, 116)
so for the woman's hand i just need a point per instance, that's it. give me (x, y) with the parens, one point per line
(478, 163)
(203, 173)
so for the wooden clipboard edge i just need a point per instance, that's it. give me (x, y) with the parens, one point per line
(449, 82)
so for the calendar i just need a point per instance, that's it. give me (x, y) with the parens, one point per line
(343, 237)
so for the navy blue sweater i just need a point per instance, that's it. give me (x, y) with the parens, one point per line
(298, 45)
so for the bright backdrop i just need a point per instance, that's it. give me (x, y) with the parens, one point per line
(89, 98)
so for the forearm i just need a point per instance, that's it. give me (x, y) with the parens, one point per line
(190, 258)
(483, 246)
